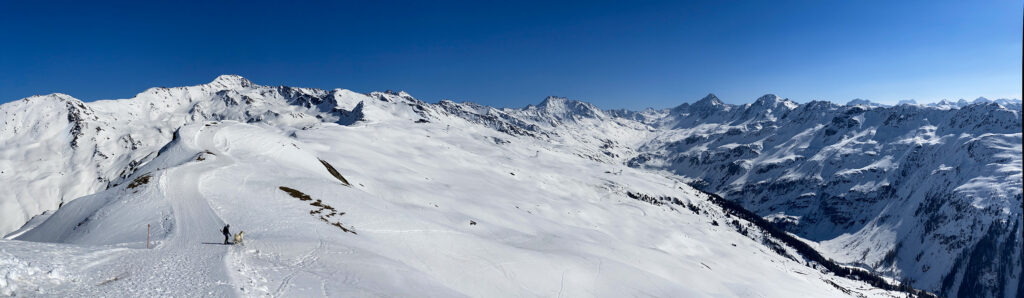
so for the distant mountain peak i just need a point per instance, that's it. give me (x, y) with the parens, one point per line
(769, 98)
(770, 101)
(863, 102)
(553, 101)
(709, 100)
(562, 107)
(399, 93)
(774, 100)
(52, 96)
(55, 100)
(230, 82)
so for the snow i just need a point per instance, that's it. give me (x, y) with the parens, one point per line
(869, 186)
(552, 229)
(17, 275)
(884, 164)
(942, 168)
(864, 102)
(460, 199)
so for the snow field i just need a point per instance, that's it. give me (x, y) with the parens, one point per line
(547, 224)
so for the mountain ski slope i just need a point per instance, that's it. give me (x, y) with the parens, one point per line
(913, 192)
(348, 194)
(488, 221)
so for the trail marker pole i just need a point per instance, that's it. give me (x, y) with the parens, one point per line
(147, 236)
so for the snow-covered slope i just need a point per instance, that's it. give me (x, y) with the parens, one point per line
(345, 194)
(57, 148)
(452, 199)
(909, 191)
(930, 194)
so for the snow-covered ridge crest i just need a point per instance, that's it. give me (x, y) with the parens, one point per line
(57, 148)
(230, 82)
(564, 109)
(711, 100)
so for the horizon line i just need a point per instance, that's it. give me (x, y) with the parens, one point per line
(229, 76)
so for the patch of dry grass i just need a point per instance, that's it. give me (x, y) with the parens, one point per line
(323, 211)
(139, 181)
(296, 194)
(202, 155)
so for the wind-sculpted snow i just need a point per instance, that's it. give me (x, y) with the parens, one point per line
(453, 199)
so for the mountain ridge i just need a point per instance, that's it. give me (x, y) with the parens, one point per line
(851, 159)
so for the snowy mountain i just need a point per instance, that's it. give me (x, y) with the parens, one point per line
(864, 102)
(929, 194)
(912, 192)
(348, 194)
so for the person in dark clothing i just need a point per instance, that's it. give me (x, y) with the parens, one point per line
(226, 233)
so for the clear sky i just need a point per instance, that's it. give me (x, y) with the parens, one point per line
(623, 54)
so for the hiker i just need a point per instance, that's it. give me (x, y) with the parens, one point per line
(226, 233)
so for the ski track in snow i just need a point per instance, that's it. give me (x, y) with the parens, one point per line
(191, 262)
(186, 257)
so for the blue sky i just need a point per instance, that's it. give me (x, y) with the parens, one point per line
(626, 54)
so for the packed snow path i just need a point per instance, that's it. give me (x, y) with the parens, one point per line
(191, 262)
(187, 256)
(196, 248)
